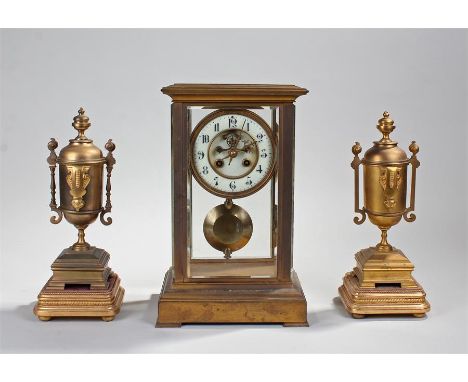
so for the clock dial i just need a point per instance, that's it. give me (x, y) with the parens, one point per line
(233, 153)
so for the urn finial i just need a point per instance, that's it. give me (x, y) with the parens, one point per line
(386, 126)
(81, 123)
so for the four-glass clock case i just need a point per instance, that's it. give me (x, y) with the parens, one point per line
(232, 206)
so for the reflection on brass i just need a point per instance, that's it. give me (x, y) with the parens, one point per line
(382, 282)
(227, 228)
(82, 284)
(78, 179)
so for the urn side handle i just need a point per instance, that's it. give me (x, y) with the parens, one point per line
(408, 214)
(110, 161)
(356, 149)
(52, 161)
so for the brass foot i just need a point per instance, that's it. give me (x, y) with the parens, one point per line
(295, 324)
(419, 315)
(357, 315)
(169, 325)
(107, 318)
(44, 318)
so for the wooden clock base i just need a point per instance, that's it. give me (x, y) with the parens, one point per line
(104, 303)
(190, 303)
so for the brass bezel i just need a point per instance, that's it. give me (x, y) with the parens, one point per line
(265, 127)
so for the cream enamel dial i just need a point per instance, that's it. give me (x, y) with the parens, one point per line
(233, 153)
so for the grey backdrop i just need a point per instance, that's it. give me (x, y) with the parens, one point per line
(419, 76)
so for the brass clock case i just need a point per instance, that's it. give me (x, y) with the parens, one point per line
(266, 128)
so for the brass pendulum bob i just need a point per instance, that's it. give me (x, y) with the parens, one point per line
(227, 227)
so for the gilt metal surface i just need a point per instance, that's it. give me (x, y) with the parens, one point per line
(80, 270)
(383, 266)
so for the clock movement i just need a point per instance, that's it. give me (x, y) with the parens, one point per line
(232, 206)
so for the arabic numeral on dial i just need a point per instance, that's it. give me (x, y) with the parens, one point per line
(216, 180)
(216, 127)
(264, 153)
(248, 182)
(259, 137)
(232, 185)
(259, 169)
(205, 138)
(201, 155)
(205, 170)
(232, 122)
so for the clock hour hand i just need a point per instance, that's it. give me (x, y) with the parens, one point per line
(220, 149)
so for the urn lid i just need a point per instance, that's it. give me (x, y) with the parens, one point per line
(81, 149)
(385, 150)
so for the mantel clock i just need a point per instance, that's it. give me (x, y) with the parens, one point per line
(232, 206)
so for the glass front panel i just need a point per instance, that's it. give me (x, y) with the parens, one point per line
(233, 193)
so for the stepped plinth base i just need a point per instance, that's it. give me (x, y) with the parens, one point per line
(381, 283)
(382, 300)
(80, 302)
(190, 303)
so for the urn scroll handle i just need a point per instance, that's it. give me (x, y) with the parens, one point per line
(110, 161)
(52, 161)
(356, 149)
(407, 214)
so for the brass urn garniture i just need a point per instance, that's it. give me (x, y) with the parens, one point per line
(381, 282)
(82, 285)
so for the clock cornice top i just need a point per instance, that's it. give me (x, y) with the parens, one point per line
(264, 94)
